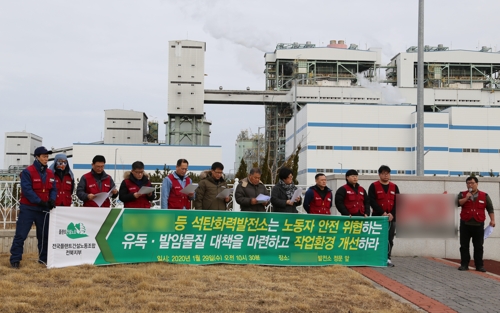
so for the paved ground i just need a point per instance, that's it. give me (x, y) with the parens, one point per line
(436, 285)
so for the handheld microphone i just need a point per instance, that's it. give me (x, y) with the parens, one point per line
(470, 191)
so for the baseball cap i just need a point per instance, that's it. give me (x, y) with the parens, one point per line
(41, 150)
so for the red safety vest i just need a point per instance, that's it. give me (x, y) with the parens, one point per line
(42, 189)
(93, 188)
(354, 202)
(178, 200)
(474, 209)
(320, 206)
(64, 191)
(142, 201)
(385, 200)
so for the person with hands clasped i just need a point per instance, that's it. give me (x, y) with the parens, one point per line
(474, 203)
(282, 193)
(171, 195)
(351, 199)
(38, 195)
(382, 194)
(318, 198)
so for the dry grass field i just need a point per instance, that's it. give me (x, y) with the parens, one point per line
(162, 287)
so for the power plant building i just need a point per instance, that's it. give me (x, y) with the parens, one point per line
(350, 117)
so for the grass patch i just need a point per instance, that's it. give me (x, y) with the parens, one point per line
(162, 287)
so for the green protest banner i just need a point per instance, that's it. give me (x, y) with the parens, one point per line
(208, 237)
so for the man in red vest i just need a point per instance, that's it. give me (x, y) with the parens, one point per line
(132, 184)
(38, 195)
(318, 198)
(94, 182)
(474, 203)
(382, 194)
(171, 195)
(351, 199)
(65, 182)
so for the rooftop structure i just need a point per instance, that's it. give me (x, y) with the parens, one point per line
(308, 65)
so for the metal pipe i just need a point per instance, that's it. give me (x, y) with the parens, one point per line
(114, 175)
(420, 91)
(295, 117)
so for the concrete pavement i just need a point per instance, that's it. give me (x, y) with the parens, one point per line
(435, 285)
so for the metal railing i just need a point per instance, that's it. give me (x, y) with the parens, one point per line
(10, 192)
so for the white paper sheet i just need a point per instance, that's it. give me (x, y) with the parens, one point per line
(146, 190)
(487, 231)
(262, 198)
(101, 197)
(189, 188)
(224, 193)
(296, 194)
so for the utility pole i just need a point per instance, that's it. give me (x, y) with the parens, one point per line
(420, 91)
(295, 115)
(114, 175)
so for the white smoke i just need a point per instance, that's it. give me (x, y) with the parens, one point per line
(389, 94)
(229, 20)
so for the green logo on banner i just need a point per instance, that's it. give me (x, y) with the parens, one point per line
(75, 231)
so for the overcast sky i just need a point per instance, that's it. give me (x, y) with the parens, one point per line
(62, 63)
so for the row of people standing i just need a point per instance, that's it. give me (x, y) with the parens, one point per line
(45, 188)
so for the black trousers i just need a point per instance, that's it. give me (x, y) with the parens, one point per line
(392, 231)
(477, 234)
(23, 226)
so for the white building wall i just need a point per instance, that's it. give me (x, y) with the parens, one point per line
(19, 148)
(386, 134)
(475, 128)
(153, 156)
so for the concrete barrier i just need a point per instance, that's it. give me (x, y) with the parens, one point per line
(7, 235)
(435, 247)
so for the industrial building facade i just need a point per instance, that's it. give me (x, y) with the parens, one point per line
(337, 137)
(19, 148)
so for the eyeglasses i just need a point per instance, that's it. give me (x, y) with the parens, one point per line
(62, 162)
(218, 173)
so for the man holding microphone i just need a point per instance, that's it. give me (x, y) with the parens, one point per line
(474, 203)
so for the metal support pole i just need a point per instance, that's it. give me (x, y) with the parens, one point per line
(114, 175)
(295, 116)
(420, 91)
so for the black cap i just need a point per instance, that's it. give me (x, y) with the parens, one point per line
(351, 172)
(41, 150)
